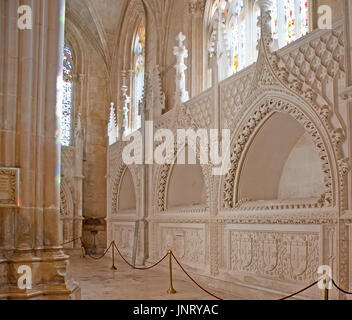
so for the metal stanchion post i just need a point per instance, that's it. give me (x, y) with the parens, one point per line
(171, 290)
(326, 290)
(113, 256)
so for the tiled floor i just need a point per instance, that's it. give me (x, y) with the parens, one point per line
(99, 282)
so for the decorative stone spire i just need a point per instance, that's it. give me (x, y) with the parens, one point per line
(158, 94)
(123, 111)
(112, 128)
(181, 53)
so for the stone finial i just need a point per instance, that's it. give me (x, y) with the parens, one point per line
(181, 53)
(123, 111)
(112, 127)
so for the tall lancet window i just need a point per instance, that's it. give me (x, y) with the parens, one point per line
(234, 34)
(290, 20)
(139, 71)
(236, 30)
(66, 116)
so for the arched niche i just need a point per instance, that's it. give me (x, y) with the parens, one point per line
(127, 194)
(281, 163)
(186, 187)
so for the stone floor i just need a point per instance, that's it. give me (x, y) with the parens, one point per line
(99, 282)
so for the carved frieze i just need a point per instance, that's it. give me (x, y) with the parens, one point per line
(186, 241)
(281, 255)
(123, 236)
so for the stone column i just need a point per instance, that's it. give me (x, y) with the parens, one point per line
(31, 67)
(195, 31)
(181, 54)
(78, 182)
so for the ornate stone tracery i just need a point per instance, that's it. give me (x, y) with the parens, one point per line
(260, 115)
(283, 240)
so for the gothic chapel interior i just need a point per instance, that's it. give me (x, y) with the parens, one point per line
(82, 81)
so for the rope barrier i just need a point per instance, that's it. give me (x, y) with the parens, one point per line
(304, 289)
(337, 287)
(171, 254)
(78, 238)
(139, 268)
(194, 281)
(97, 258)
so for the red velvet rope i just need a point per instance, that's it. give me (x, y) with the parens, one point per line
(70, 241)
(293, 294)
(98, 258)
(338, 288)
(188, 275)
(194, 281)
(139, 268)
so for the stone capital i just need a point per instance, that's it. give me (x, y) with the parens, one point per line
(196, 7)
(264, 4)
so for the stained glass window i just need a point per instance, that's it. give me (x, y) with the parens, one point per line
(274, 20)
(239, 20)
(66, 115)
(139, 62)
(290, 20)
(303, 11)
(237, 34)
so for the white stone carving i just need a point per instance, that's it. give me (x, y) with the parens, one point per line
(280, 255)
(181, 53)
(277, 242)
(112, 126)
(201, 110)
(187, 242)
(155, 94)
(123, 112)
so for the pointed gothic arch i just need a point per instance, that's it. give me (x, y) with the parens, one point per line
(122, 199)
(281, 163)
(162, 184)
(259, 111)
(185, 186)
(127, 193)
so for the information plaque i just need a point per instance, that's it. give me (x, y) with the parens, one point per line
(9, 184)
